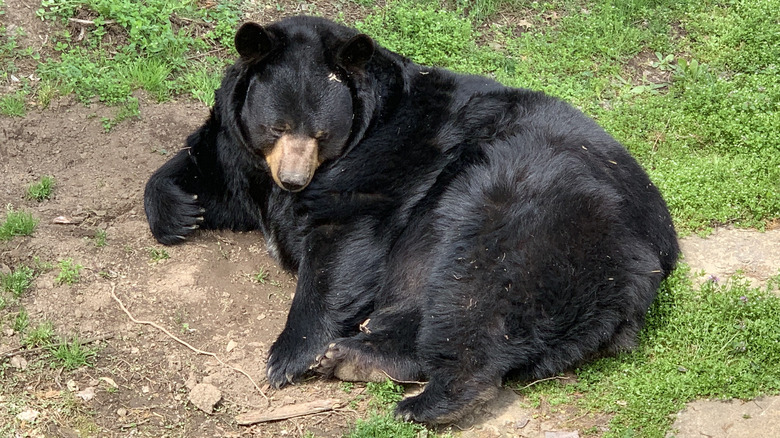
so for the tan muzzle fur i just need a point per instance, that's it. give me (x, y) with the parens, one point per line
(293, 160)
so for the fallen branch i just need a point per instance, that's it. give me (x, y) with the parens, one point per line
(289, 411)
(182, 342)
(23, 351)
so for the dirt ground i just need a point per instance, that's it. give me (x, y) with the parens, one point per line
(206, 293)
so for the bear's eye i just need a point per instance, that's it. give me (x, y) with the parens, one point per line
(278, 131)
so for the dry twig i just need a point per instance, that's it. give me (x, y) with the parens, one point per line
(88, 22)
(541, 380)
(182, 342)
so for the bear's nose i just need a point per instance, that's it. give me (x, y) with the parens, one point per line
(294, 183)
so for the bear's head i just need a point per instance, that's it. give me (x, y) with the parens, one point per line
(297, 108)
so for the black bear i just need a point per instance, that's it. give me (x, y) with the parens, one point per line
(443, 227)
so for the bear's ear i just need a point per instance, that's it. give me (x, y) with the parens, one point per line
(355, 53)
(253, 42)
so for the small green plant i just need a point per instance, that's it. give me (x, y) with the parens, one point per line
(347, 386)
(384, 425)
(40, 336)
(99, 238)
(17, 223)
(40, 266)
(17, 281)
(70, 272)
(73, 354)
(385, 393)
(129, 109)
(21, 321)
(12, 105)
(157, 254)
(42, 189)
(261, 276)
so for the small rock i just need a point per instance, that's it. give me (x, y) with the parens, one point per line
(9, 332)
(145, 389)
(87, 393)
(28, 415)
(205, 397)
(72, 385)
(230, 346)
(122, 412)
(134, 350)
(18, 362)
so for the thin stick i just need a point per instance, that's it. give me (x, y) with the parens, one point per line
(182, 342)
(540, 381)
(81, 21)
(23, 351)
(405, 382)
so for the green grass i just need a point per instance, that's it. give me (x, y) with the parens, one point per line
(17, 282)
(157, 254)
(42, 189)
(70, 272)
(100, 238)
(73, 354)
(706, 131)
(261, 276)
(164, 45)
(21, 321)
(16, 223)
(13, 105)
(40, 336)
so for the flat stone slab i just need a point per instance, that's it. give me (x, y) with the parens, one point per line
(729, 250)
(729, 419)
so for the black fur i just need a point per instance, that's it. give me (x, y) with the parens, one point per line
(456, 230)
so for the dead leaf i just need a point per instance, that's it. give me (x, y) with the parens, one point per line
(110, 382)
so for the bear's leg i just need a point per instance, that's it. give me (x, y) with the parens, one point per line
(384, 349)
(465, 353)
(338, 279)
(445, 400)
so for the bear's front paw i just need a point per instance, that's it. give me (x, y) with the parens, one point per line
(172, 213)
(287, 365)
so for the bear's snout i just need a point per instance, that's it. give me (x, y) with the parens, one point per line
(292, 161)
